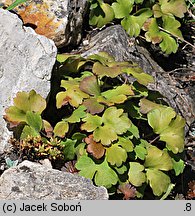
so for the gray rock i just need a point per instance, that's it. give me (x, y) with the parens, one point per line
(26, 62)
(116, 42)
(31, 180)
(59, 20)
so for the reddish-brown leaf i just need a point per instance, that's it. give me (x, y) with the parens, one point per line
(96, 149)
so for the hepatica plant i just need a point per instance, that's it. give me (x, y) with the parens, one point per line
(121, 134)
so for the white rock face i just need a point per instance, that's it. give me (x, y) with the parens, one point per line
(32, 181)
(26, 62)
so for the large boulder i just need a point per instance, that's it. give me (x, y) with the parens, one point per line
(59, 20)
(26, 62)
(32, 181)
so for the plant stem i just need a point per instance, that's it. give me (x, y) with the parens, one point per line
(183, 40)
(156, 138)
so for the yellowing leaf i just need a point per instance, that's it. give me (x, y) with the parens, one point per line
(159, 181)
(117, 95)
(126, 144)
(112, 71)
(116, 119)
(61, 128)
(91, 122)
(90, 85)
(147, 105)
(173, 135)
(93, 106)
(136, 175)
(171, 130)
(74, 96)
(24, 102)
(138, 74)
(158, 159)
(175, 7)
(105, 135)
(160, 118)
(116, 155)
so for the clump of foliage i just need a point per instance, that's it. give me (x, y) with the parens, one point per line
(119, 134)
(159, 19)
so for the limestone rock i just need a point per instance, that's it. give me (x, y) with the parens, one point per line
(59, 20)
(31, 180)
(115, 41)
(26, 62)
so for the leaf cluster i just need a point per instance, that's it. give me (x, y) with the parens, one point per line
(120, 137)
(159, 19)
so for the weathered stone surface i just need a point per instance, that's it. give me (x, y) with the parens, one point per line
(59, 20)
(115, 41)
(26, 62)
(31, 180)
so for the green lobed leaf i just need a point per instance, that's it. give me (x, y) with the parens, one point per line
(159, 181)
(169, 44)
(69, 148)
(101, 15)
(140, 151)
(158, 159)
(122, 8)
(60, 129)
(136, 175)
(104, 175)
(121, 170)
(133, 23)
(86, 166)
(134, 130)
(172, 25)
(77, 115)
(34, 120)
(102, 57)
(28, 131)
(178, 166)
(116, 155)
